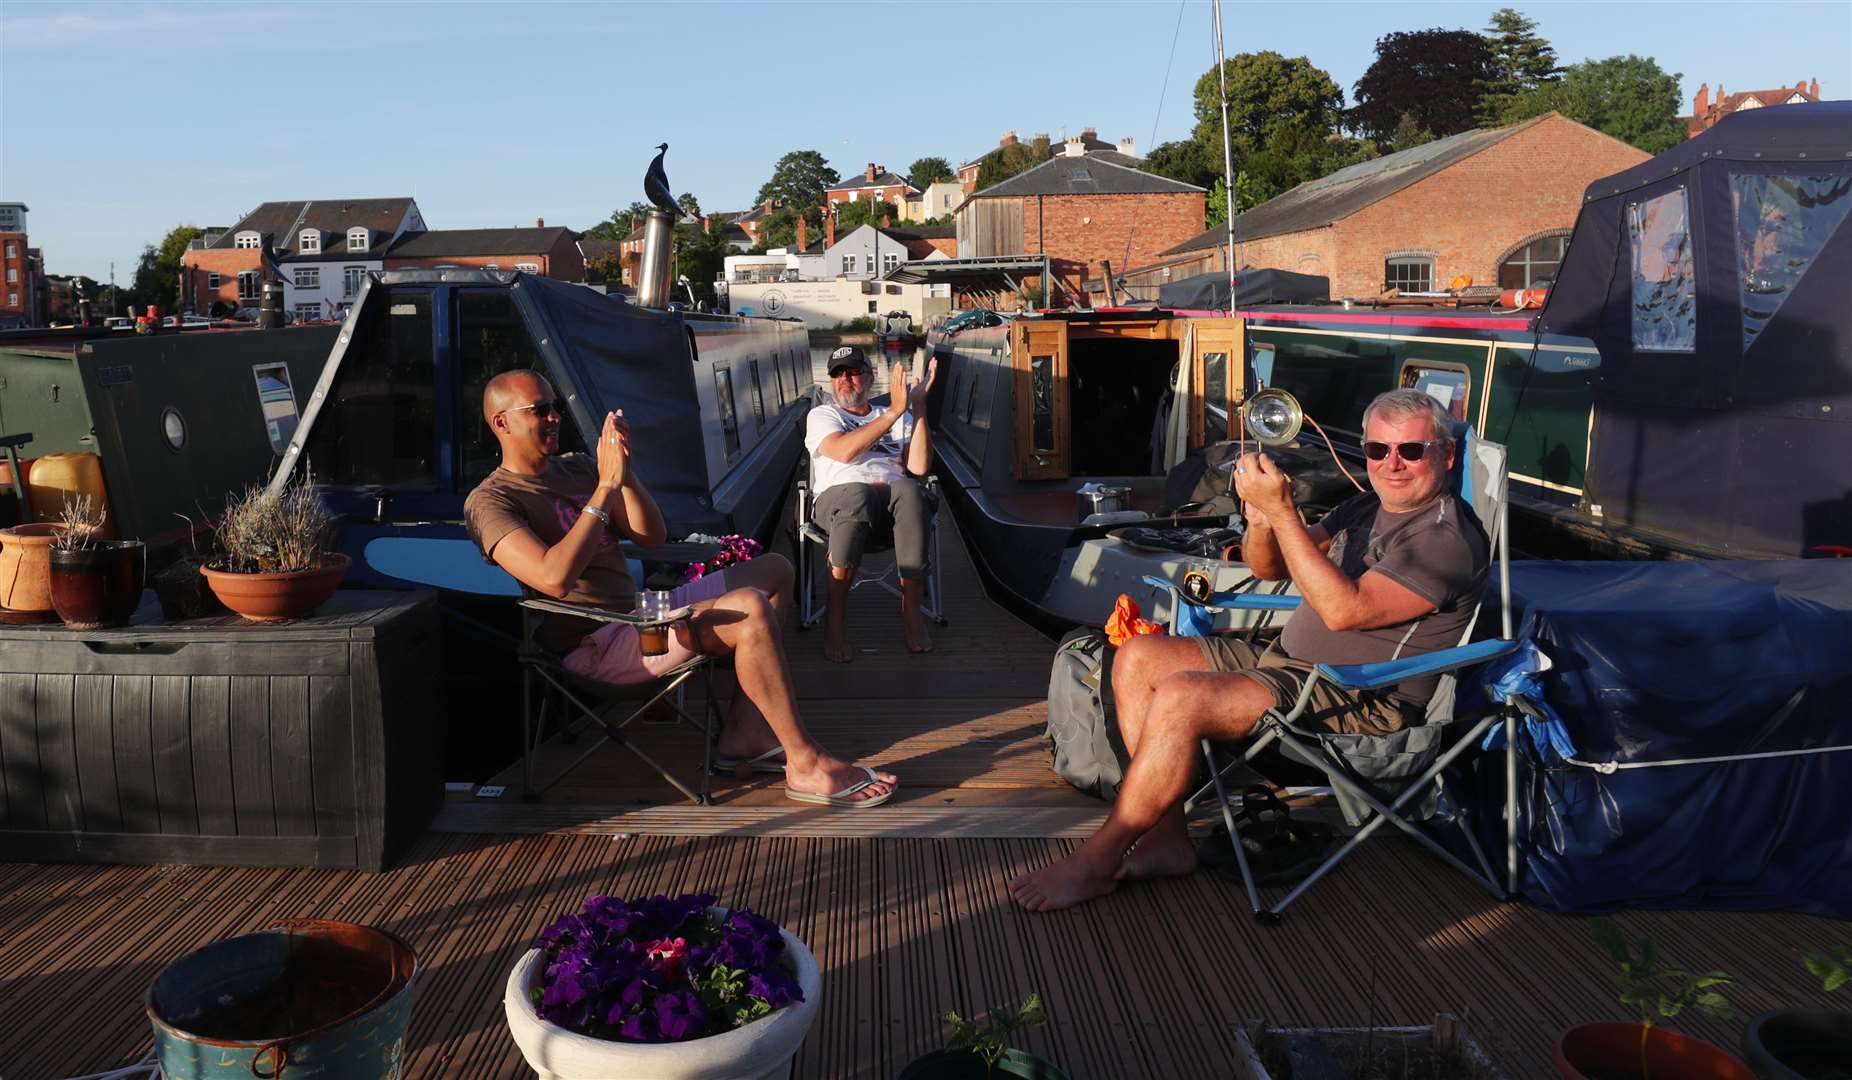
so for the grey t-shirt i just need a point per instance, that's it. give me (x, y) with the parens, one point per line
(1437, 551)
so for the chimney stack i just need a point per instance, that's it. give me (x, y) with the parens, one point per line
(803, 234)
(1128, 146)
(1089, 134)
(829, 228)
(885, 223)
(1009, 139)
(540, 223)
(1074, 148)
(1815, 90)
(768, 206)
(1702, 103)
(868, 174)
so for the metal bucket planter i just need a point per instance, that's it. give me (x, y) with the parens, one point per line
(99, 586)
(757, 1051)
(272, 597)
(305, 999)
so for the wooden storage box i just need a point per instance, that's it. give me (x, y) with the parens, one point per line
(316, 742)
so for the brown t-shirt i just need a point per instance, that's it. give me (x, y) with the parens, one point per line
(1437, 551)
(550, 505)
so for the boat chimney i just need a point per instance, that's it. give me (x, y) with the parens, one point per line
(270, 306)
(658, 270)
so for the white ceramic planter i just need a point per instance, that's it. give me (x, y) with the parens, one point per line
(761, 1049)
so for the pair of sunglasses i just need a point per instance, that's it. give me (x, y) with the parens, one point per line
(543, 410)
(849, 369)
(1407, 451)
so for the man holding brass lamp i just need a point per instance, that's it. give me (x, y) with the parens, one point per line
(554, 522)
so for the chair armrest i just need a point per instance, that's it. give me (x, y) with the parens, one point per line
(608, 615)
(1389, 672)
(1256, 601)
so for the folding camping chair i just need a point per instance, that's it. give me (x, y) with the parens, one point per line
(1387, 779)
(457, 565)
(813, 546)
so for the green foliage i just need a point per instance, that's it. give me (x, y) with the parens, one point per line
(799, 179)
(1432, 75)
(618, 226)
(157, 275)
(779, 228)
(929, 170)
(990, 1041)
(722, 989)
(1188, 160)
(1628, 97)
(851, 215)
(1409, 133)
(1831, 965)
(1658, 993)
(604, 269)
(861, 324)
(1006, 161)
(1522, 61)
(701, 257)
(691, 206)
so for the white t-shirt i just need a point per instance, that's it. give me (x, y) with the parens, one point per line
(879, 464)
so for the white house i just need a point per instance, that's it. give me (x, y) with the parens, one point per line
(938, 200)
(864, 254)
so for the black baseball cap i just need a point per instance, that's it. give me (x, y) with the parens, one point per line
(848, 358)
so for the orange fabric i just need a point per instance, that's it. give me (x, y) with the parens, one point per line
(1125, 623)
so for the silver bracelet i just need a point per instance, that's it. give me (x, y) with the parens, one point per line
(588, 508)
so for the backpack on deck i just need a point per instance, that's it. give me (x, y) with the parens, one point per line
(1082, 733)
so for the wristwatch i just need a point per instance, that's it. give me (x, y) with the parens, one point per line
(588, 508)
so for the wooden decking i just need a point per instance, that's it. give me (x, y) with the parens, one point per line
(905, 906)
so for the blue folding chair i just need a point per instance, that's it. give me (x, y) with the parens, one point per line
(1391, 779)
(457, 565)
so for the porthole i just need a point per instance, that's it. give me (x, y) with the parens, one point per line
(173, 428)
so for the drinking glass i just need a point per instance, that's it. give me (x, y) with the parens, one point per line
(653, 604)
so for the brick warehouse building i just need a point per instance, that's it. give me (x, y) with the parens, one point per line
(1079, 211)
(1496, 205)
(22, 271)
(548, 251)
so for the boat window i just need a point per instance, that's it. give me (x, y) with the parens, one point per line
(1447, 384)
(729, 424)
(970, 399)
(491, 339)
(1042, 392)
(778, 376)
(1781, 224)
(1215, 397)
(378, 424)
(1263, 364)
(758, 394)
(981, 375)
(1665, 314)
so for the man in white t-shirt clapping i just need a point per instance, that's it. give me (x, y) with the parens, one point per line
(863, 465)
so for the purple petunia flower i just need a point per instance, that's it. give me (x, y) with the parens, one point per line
(680, 1016)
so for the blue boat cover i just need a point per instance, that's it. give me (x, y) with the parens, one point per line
(1667, 661)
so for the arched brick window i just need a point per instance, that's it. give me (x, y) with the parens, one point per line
(1534, 262)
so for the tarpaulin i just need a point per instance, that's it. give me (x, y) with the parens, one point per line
(1739, 664)
(1209, 292)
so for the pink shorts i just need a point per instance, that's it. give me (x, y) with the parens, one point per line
(612, 654)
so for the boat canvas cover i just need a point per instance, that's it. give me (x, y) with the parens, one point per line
(1209, 292)
(1705, 662)
(1713, 279)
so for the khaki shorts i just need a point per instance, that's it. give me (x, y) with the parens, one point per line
(1356, 712)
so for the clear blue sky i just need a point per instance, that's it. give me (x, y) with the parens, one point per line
(119, 121)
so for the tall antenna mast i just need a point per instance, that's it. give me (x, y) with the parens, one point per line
(1228, 154)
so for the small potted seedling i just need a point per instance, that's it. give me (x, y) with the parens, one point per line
(1646, 1049)
(982, 1053)
(1806, 1044)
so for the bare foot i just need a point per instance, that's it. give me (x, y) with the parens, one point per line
(919, 639)
(829, 775)
(836, 646)
(1153, 858)
(1060, 885)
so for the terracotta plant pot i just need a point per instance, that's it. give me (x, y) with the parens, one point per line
(25, 567)
(1611, 1051)
(273, 597)
(100, 586)
(1800, 1044)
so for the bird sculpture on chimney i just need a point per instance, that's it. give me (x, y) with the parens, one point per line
(656, 185)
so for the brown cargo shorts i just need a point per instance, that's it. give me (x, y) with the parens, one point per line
(1354, 712)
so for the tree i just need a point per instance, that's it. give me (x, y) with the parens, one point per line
(157, 275)
(1433, 76)
(701, 257)
(1187, 160)
(779, 229)
(1522, 61)
(1409, 133)
(799, 179)
(1007, 161)
(929, 170)
(604, 269)
(849, 215)
(1628, 97)
(619, 225)
(691, 206)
